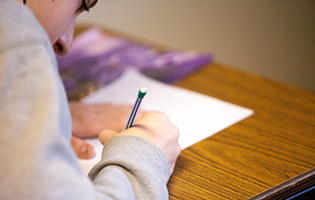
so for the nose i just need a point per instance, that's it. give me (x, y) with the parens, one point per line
(64, 44)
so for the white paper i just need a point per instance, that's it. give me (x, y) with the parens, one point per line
(196, 115)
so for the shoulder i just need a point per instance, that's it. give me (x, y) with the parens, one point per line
(18, 26)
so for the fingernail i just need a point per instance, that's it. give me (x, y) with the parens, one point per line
(84, 150)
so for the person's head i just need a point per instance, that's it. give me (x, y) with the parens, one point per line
(58, 18)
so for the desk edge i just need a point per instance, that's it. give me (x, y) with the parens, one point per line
(289, 188)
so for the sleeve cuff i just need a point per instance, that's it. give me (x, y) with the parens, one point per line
(136, 155)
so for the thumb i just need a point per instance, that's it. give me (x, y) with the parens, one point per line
(106, 134)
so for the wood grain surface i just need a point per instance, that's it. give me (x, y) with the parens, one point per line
(274, 145)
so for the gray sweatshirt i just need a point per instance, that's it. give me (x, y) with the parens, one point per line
(36, 158)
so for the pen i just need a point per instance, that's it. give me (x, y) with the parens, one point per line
(134, 112)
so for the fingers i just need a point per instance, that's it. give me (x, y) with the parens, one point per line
(82, 148)
(106, 134)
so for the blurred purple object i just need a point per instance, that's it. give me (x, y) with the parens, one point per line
(101, 58)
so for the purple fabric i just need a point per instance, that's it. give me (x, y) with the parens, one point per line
(101, 58)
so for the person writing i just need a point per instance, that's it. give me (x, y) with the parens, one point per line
(37, 160)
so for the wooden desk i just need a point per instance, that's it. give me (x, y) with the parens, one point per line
(274, 145)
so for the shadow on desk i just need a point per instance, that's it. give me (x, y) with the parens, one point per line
(307, 194)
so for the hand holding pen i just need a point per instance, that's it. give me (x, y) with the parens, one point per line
(154, 126)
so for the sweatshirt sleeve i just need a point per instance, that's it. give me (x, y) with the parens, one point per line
(131, 168)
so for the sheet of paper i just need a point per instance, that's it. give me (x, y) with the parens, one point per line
(196, 115)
